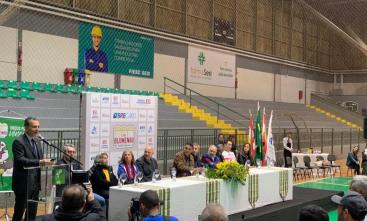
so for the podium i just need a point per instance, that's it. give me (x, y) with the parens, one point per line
(45, 179)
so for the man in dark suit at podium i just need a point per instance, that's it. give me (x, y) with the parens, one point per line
(27, 153)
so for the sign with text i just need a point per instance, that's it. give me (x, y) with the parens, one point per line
(105, 49)
(210, 67)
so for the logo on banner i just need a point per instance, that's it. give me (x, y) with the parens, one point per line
(150, 141)
(124, 115)
(142, 143)
(95, 100)
(105, 114)
(105, 130)
(105, 100)
(104, 143)
(94, 144)
(151, 117)
(150, 129)
(124, 136)
(94, 114)
(3, 130)
(115, 100)
(144, 101)
(142, 128)
(142, 115)
(125, 100)
(201, 58)
(94, 130)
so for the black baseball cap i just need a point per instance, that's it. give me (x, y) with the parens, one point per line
(354, 202)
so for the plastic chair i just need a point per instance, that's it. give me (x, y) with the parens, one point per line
(2, 85)
(299, 169)
(324, 167)
(49, 88)
(308, 166)
(12, 84)
(25, 85)
(60, 88)
(25, 94)
(11, 92)
(37, 87)
(2, 95)
(332, 159)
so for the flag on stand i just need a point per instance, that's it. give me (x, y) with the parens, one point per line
(264, 138)
(258, 141)
(270, 153)
(251, 138)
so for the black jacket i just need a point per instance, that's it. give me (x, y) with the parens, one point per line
(94, 213)
(147, 167)
(24, 157)
(98, 179)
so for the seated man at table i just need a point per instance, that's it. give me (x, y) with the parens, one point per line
(184, 162)
(210, 159)
(227, 153)
(196, 154)
(148, 208)
(147, 164)
(352, 160)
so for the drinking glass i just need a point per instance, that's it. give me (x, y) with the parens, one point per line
(140, 176)
(156, 174)
(123, 179)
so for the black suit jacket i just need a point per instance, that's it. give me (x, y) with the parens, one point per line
(147, 167)
(24, 157)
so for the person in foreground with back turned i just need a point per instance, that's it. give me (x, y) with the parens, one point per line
(27, 152)
(77, 204)
(313, 213)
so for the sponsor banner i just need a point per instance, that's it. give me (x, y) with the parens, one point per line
(10, 128)
(105, 49)
(211, 67)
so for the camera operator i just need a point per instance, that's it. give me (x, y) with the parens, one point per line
(148, 208)
(77, 204)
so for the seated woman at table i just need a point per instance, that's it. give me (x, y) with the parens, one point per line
(128, 167)
(352, 160)
(243, 157)
(102, 178)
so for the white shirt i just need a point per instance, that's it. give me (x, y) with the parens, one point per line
(287, 140)
(228, 156)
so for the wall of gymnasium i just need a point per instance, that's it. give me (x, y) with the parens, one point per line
(47, 51)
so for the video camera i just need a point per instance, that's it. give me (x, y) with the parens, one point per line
(135, 210)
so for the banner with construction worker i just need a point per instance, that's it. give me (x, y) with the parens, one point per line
(110, 50)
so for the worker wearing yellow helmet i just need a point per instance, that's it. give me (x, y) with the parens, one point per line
(95, 58)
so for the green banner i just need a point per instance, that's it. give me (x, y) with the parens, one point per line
(58, 176)
(105, 49)
(10, 128)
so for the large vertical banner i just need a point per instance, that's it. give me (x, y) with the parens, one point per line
(115, 122)
(209, 67)
(105, 49)
(10, 128)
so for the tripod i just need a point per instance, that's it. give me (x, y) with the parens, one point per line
(6, 214)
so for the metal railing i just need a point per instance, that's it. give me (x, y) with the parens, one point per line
(328, 140)
(330, 105)
(196, 98)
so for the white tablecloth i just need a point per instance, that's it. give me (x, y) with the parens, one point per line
(188, 196)
(300, 156)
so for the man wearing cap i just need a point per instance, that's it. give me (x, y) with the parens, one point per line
(351, 207)
(95, 58)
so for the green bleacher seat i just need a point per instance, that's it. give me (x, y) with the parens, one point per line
(2, 85)
(49, 88)
(12, 84)
(2, 94)
(70, 89)
(89, 89)
(108, 90)
(24, 93)
(37, 87)
(60, 88)
(98, 89)
(79, 89)
(116, 90)
(128, 92)
(156, 94)
(11, 92)
(25, 85)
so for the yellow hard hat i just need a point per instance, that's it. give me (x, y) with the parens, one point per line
(96, 31)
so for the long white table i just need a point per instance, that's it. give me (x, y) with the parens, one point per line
(186, 197)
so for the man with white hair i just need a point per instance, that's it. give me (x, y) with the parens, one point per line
(213, 212)
(147, 164)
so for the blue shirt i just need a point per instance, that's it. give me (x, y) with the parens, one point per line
(96, 60)
(159, 218)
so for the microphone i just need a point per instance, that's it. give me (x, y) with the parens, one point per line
(43, 139)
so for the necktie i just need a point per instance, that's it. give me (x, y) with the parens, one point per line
(34, 148)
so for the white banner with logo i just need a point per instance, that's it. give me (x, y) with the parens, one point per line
(115, 122)
(211, 67)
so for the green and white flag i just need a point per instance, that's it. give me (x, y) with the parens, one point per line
(258, 136)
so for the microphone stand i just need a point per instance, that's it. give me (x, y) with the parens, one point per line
(61, 150)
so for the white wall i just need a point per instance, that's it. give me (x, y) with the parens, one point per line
(316, 86)
(354, 88)
(255, 85)
(8, 53)
(164, 66)
(287, 87)
(45, 57)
